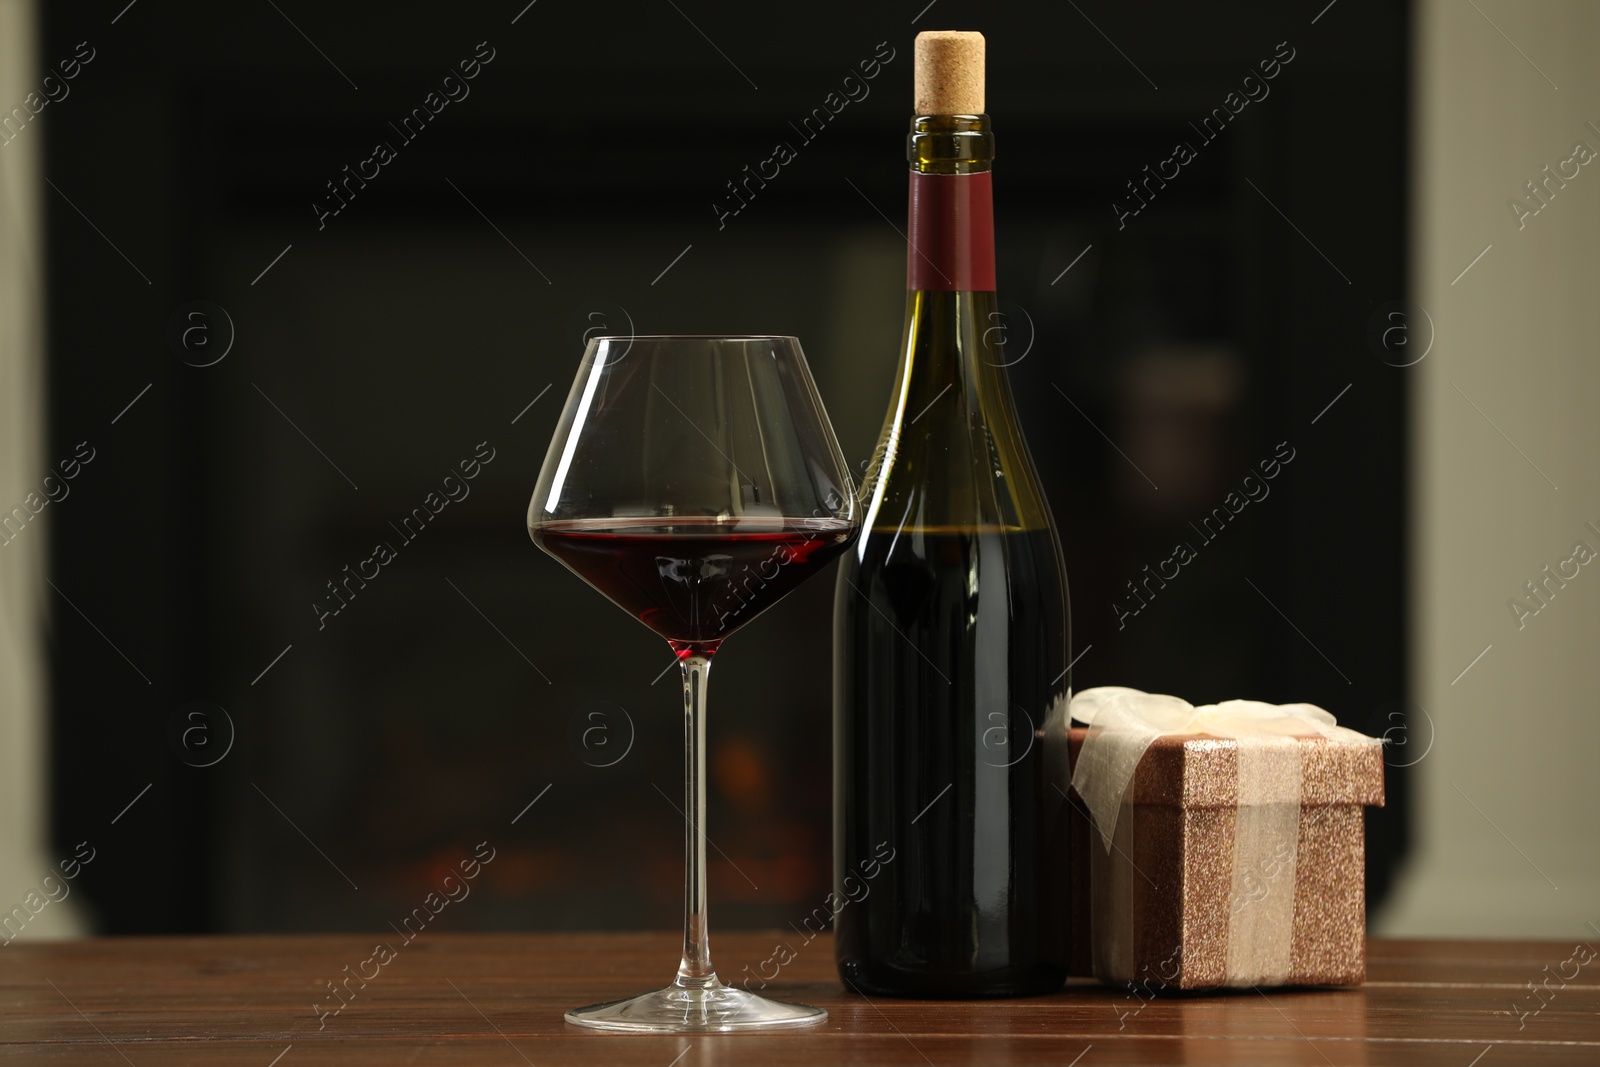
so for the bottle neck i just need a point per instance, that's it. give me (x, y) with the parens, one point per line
(951, 219)
(951, 453)
(950, 273)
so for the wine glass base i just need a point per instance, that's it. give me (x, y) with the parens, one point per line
(714, 1008)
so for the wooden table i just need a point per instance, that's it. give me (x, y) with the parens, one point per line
(497, 999)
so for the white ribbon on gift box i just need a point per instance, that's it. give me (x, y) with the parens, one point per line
(1122, 725)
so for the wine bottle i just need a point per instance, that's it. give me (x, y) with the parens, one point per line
(951, 623)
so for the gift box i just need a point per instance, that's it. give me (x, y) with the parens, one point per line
(1217, 846)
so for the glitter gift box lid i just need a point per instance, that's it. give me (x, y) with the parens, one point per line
(1201, 771)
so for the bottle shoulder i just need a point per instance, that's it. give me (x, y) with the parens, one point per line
(951, 450)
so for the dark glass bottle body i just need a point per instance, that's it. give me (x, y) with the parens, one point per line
(951, 637)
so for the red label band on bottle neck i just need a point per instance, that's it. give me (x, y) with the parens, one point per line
(951, 232)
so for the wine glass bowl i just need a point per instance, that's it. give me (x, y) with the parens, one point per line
(694, 481)
(733, 489)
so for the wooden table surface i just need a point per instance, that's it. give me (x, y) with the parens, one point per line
(498, 999)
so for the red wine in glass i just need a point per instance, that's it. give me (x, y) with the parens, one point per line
(693, 579)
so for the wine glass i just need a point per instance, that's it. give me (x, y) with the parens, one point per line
(694, 481)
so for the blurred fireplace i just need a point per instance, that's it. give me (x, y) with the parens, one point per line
(1157, 366)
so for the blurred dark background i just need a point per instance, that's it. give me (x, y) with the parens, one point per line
(573, 188)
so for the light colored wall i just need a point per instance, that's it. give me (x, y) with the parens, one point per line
(1519, 334)
(23, 856)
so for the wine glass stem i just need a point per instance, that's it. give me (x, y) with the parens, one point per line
(695, 971)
